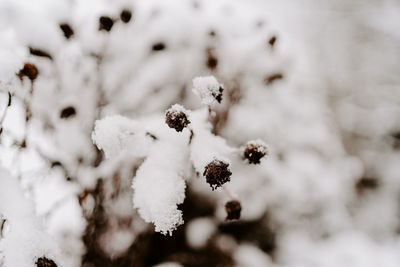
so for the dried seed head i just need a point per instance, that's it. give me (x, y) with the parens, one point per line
(105, 23)
(233, 209)
(67, 30)
(159, 46)
(67, 112)
(365, 184)
(272, 41)
(29, 70)
(125, 15)
(45, 262)
(176, 117)
(254, 151)
(217, 173)
(212, 61)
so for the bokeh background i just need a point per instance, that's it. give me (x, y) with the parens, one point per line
(319, 81)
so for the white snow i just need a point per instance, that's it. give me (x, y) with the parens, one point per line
(114, 134)
(25, 241)
(205, 146)
(177, 108)
(159, 186)
(207, 88)
(199, 231)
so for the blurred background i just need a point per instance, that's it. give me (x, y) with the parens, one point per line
(318, 81)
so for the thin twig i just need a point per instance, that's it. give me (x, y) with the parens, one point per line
(5, 111)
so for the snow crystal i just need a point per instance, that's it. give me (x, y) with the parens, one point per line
(208, 89)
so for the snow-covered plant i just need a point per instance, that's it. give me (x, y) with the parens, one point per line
(306, 77)
(23, 240)
(159, 184)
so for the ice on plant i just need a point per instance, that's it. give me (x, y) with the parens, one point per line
(207, 88)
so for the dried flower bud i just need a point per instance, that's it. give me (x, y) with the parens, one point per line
(365, 184)
(208, 89)
(125, 15)
(217, 173)
(212, 62)
(105, 23)
(272, 41)
(67, 112)
(233, 209)
(176, 118)
(67, 30)
(254, 151)
(45, 262)
(158, 46)
(29, 70)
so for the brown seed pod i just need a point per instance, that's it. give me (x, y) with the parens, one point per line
(218, 96)
(67, 30)
(125, 15)
(67, 112)
(105, 23)
(159, 46)
(254, 151)
(233, 209)
(176, 118)
(272, 41)
(217, 173)
(29, 70)
(45, 262)
(212, 62)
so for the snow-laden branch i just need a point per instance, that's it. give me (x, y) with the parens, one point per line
(207, 148)
(25, 240)
(159, 186)
(116, 134)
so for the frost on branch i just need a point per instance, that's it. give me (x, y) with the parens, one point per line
(25, 242)
(208, 89)
(159, 186)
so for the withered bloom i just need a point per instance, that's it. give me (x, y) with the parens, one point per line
(217, 173)
(176, 118)
(233, 209)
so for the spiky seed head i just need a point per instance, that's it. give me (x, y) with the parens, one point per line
(217, 173)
